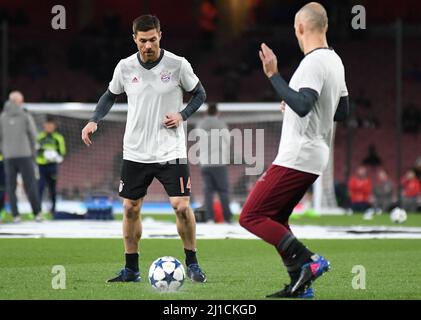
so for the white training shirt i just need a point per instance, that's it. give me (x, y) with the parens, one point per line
(305, 142)
(151, 94)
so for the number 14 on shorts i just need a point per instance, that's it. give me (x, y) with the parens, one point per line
(187, 186)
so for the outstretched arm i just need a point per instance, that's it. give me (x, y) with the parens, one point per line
(104, 105)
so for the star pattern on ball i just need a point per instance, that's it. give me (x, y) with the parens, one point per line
(177, 263)
(153, 281)
(159, 263)
(169, 277)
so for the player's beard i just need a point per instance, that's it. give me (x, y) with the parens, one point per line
(149, 56)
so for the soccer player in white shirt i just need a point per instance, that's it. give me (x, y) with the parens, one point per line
(315, 97)
(154, 140)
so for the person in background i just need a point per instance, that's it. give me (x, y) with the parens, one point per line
(360, 190)
(18, 136)
(52, 149)
(411, 191)
(214, 158)
(383, 192)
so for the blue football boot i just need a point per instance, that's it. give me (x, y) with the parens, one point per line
(286, 293)
(310, 272)
(195, 273)
(126, 275)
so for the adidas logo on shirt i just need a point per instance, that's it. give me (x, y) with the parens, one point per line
(135, 80)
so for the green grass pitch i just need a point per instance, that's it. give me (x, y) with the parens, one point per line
(236, 269)
(414, 219)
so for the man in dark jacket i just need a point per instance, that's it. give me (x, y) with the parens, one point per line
(214, 161)
(18, 136)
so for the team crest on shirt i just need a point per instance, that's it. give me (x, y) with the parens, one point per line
(121, 186)
(165, 76)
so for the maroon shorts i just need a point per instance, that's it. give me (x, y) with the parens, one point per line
(272, 200)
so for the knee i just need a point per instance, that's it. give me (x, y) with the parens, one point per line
(247, 217)
(181, 209)
(131, 209)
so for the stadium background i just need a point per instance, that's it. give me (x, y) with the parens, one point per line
(56, 67)
(76, 64)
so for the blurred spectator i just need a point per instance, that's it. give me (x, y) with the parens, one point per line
(411, 119)
(372, 159)
(383, 192)
(360, 190)
(214, 159)
(207, 23)
(18, 143)
(411, 191)
(52, 149)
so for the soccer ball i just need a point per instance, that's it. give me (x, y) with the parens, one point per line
(166, 274)
(398, 215)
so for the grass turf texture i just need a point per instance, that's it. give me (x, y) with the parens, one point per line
(414, 219)
(236, 269)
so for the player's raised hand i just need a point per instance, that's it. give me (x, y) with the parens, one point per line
(269, 60)
(172, 120)
(90, 128)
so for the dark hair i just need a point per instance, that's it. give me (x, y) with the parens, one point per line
(50, 119)
(212, 109)
(145, 23)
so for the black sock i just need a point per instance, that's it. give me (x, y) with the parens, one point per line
(190, 257)
(132, 261)
(293, 269)
(294, 251)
